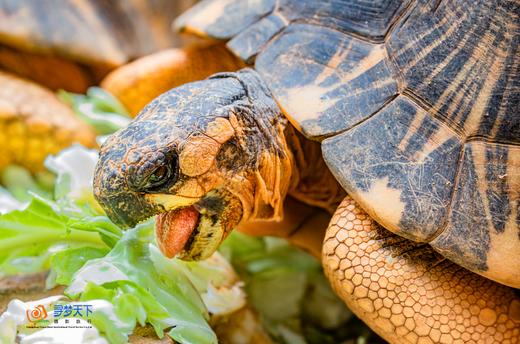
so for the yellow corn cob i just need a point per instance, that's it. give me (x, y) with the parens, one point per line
(34, 123)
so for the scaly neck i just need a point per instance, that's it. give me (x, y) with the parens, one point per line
(311, 180)
(287, 163)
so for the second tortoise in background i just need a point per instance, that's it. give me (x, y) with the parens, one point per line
(73, 44)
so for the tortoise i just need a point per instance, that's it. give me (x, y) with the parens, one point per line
(405, 113)
(73, 44)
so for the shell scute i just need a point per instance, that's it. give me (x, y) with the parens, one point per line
(391, 164)
(347, 79)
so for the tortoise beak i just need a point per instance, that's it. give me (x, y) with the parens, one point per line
(127, 209)
(124, 207)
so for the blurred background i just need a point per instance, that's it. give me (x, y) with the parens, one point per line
(72, 45)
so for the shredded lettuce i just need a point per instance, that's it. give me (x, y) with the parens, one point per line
(98, 108)
(165, 293)
(74, 168)
(129, 274)
(28, 237)
(287, 287)
(69, 234)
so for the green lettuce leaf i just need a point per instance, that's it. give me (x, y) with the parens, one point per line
(32, 232)
(98, 108)
(30, 237)
(288, 289)
(130, 278)
(66, 263)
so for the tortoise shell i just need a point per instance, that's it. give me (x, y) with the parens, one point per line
(415, 103)
(51, 41)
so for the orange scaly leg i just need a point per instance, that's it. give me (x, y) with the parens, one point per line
(407, 292)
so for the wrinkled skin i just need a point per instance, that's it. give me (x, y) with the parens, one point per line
(206, 156)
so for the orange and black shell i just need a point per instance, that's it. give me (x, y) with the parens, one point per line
(416, 105)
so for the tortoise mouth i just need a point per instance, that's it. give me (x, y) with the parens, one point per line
(194, 232)
(176, 229)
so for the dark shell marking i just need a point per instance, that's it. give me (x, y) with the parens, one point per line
(422, 98)
(351, 78)
(399, 149)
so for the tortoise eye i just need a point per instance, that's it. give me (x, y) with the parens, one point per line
(158, 176)
(163, 176)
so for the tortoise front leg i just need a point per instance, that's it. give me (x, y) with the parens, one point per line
(407, 292)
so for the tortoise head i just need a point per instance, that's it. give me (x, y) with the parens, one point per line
(203, 157)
